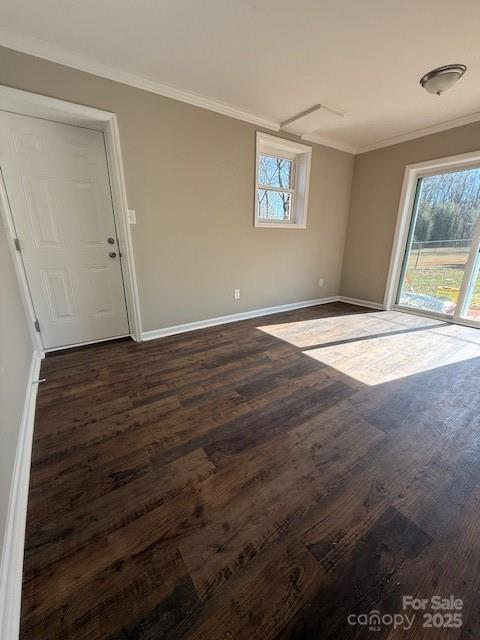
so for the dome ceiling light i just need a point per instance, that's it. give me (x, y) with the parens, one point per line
(441, 79)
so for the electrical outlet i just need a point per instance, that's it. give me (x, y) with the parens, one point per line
(132, 216)
(320, 282)
(236, 294)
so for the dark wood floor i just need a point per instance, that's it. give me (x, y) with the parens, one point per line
(263, 479)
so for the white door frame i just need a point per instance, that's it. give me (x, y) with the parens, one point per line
(405, 211)
(38, 106)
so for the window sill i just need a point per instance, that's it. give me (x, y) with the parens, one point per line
(279, 225)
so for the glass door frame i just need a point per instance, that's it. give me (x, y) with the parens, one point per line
(469, 280)
(403, 237)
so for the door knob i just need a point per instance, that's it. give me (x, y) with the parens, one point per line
(111, 240)
(112, 254)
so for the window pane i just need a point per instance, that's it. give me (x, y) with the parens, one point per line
(275, 172)
(274, 205)
(446, 212)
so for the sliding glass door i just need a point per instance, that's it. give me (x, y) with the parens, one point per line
(441, 264)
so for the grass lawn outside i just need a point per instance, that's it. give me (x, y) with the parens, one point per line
(429, 269)
(428, 280)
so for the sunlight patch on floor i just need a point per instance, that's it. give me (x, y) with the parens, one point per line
(393, 357)
(380, 347)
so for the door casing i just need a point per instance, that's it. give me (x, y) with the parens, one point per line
(30, 104)
(407, 198)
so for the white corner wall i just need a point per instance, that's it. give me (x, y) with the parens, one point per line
(16, 353)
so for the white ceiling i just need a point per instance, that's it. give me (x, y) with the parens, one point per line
(267, 60)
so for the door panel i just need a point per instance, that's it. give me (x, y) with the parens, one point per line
(56, 178)
(59, 293)
(102, 303)
(42, 211)
(88, 211)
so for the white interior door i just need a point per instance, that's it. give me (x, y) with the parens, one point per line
(56, 178)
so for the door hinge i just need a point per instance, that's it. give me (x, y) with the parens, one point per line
(36, 324)
(16, 242)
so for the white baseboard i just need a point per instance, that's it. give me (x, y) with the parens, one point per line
(13, 545)
(361, 303)
(234, 317)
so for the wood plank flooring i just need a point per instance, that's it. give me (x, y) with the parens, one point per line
(264, 479)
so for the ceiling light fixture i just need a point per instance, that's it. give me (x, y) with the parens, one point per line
(441, 79)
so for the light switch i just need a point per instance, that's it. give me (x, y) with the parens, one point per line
(132, 216)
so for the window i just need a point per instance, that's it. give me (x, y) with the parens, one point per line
(275, 187)
(435, 263)
(441, 260)
(281, 182)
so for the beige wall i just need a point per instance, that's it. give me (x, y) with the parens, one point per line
(190, 176)
(15, 357)
(376, 187)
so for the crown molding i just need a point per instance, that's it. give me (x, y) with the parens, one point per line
(68, 58)
(47, 51)
(420, 133)
(318, 138)
(388, 142)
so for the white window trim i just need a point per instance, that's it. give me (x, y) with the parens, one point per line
(301, 155)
